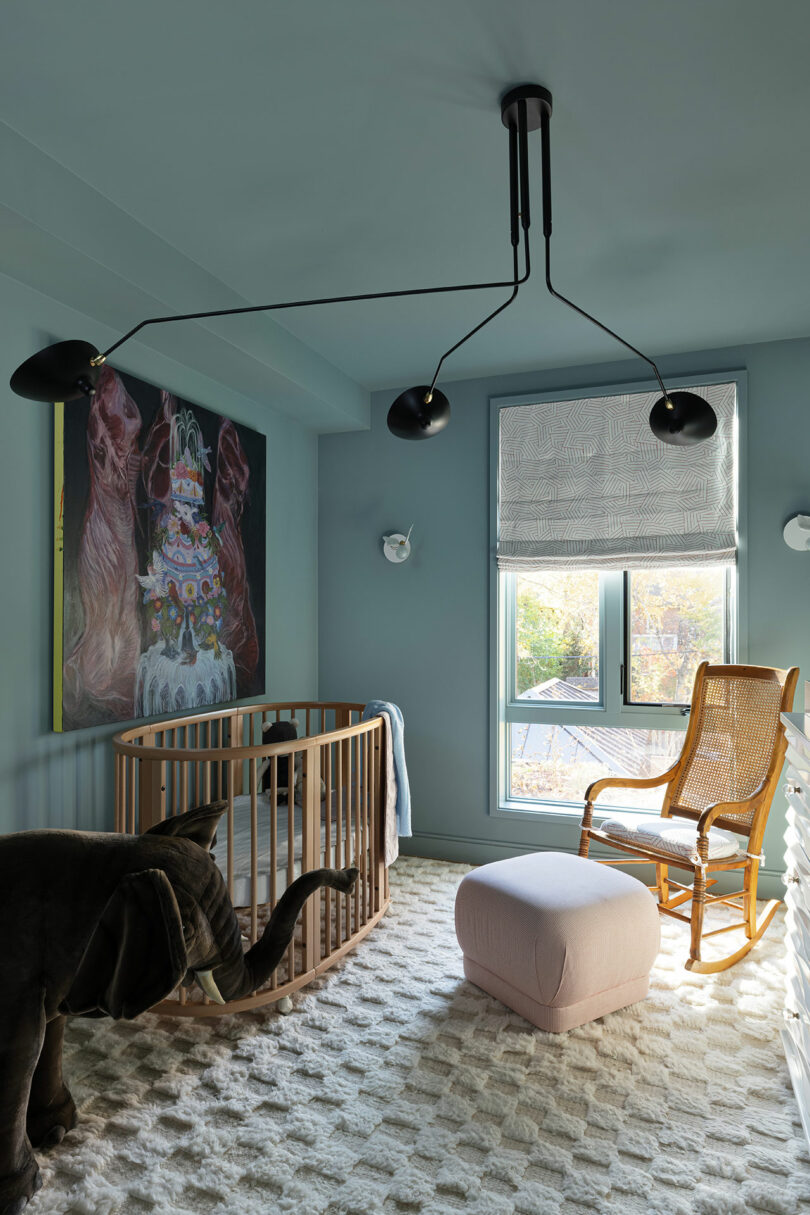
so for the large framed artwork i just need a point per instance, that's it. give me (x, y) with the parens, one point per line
(160, 556)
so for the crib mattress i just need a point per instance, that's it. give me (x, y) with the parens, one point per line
(241, 847)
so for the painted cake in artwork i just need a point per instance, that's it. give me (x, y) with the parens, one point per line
(160, 556)
(186, 601)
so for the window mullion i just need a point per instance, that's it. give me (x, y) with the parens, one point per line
(612, 655)
(508, 636)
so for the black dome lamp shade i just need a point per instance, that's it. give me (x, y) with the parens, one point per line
(419, 413)
(67, 371)
(682, 419)
(62, 372)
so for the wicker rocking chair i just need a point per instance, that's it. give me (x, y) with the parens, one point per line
(723, 781)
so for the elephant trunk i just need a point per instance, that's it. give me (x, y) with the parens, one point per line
(239, 975)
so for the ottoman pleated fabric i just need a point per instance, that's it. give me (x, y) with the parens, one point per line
(559, 939)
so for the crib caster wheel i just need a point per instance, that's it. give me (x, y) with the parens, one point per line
(284, 1005)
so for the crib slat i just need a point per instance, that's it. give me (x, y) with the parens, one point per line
(291, 852)
(348, 837)
(254, 857)
(132, 765)
(372, 822)
(368, 848)
(207, 767)
(184, 778)
(231, 783)
(326, 752)
(224, 726)
(338, 833)
(363, 739)
(127, 792)
(356, 773)
(273, 841)
(347, 834)
(118, 793)
(198, 767)
(379, 811)
(311, 813)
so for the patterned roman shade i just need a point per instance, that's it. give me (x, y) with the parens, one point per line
(585, 483)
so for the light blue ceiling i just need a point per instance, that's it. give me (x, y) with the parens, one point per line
(191, 152)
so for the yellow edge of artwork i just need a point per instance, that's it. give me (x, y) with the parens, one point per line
(58, 558)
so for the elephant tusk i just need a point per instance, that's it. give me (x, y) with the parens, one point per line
(205, 978)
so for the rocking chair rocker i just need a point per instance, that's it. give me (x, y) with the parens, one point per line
(724, 781)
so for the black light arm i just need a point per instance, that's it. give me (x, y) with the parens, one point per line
(546, 169)
(332, 299)
(516, 136)
(678, 418)
(69, 370)
(481, 324)
(424, 411)
(520, 214)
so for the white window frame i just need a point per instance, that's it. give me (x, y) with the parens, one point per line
(610, 710)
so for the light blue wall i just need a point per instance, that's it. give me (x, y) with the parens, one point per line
(49, 779)
(418, 634)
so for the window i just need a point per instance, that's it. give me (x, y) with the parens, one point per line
(597, 650)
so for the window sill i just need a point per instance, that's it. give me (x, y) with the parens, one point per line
(555, 810)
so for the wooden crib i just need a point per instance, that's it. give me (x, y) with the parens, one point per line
(264, 842)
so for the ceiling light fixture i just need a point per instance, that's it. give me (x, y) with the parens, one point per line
(68, 370)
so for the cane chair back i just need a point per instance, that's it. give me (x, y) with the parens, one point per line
(733, 745)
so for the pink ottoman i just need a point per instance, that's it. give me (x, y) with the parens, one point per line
(559, 939)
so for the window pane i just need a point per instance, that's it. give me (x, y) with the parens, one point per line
(557, 763)
(557, 636)
(677, 618)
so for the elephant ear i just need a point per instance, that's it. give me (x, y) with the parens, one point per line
(199, 825)
(136, 955)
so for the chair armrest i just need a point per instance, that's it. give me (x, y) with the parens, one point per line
(719, 809)
(628, 782)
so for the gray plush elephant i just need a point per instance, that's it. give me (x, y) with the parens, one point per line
(98, 924)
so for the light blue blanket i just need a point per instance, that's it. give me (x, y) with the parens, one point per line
(373, 709)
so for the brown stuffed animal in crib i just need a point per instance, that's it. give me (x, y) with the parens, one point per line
(100, 924)
(283, 731)
(275, 732)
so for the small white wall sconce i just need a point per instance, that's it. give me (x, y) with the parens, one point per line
(797, 532)
(396, 547)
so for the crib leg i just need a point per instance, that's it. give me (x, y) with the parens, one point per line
(284, 1005)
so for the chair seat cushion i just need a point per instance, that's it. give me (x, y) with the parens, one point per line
(671, 835)
(558, 938)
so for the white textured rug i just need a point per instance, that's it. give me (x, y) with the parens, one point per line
(397, 1087)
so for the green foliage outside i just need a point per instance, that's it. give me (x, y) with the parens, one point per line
(677, 622)
(677, 619)
(556, 627)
